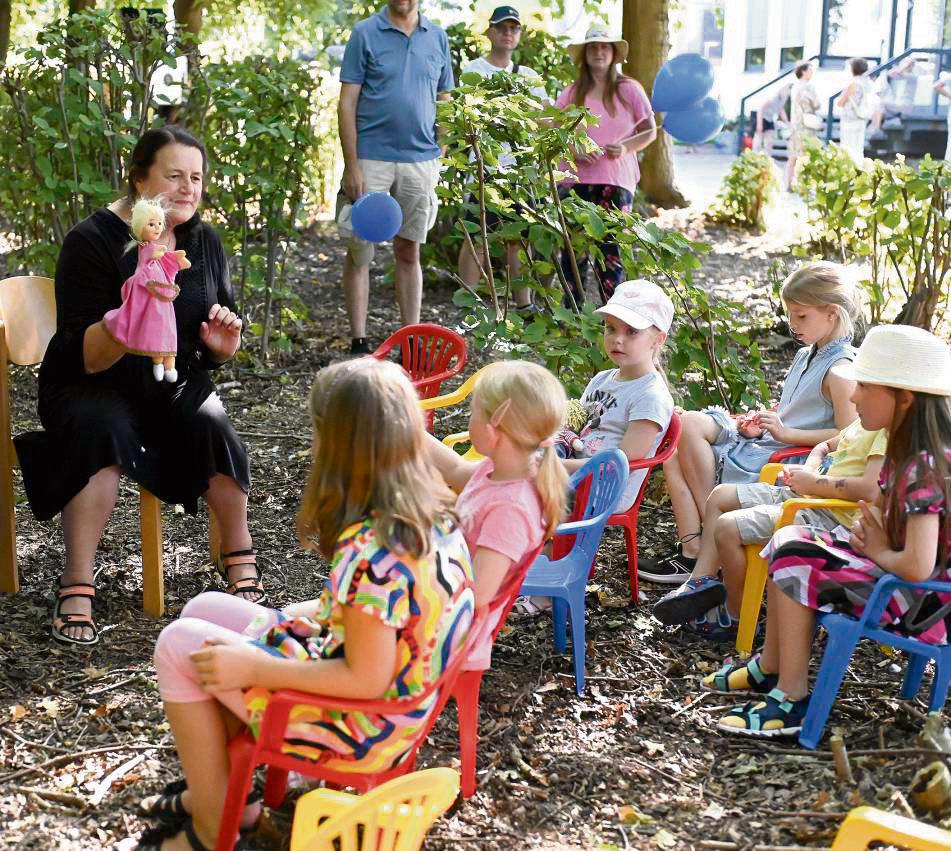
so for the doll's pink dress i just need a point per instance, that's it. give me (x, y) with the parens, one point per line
(145, 323)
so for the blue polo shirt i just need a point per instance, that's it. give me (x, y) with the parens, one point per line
(400, 76)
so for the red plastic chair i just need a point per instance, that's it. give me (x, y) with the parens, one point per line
(246, 753)
(466, 689)
(628, 519)
(430, 354)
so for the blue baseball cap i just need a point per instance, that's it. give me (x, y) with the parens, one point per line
(504, 13)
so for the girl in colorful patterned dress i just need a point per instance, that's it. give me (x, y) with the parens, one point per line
(512, 501)
(395, 609)
(904, 386)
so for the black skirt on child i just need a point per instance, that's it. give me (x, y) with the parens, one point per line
(172, 438)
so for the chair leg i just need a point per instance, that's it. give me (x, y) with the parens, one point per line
(275, 786)
(913, 676)
(753, 588)
(941, 682)
(9, 574)
(579, 643)
(153, 583)
(559, 616)
(466, 692)
(241, 754)
(839, 649)
(630, 544)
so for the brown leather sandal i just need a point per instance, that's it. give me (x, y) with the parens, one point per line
(248, 585)
(61, 621)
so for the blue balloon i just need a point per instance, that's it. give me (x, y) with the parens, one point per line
(376, 217)
(681, 82)
(697, 124)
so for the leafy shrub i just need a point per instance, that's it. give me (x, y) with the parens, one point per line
(748, 187)
(891, 217)
(73, 110)
(710, 344)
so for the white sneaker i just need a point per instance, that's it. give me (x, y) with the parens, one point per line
(171, 375)
(158, 370)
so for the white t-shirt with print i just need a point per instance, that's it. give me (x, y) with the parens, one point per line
(612, 405)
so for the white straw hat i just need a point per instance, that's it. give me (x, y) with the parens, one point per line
(903, 357)
(597, 35)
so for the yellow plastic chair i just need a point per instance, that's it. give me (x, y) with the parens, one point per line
(27, 324)
(757, 570)
(393, 817)
(867, 824)
(461, 393)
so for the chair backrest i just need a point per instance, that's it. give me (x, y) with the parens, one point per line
(393, 817)
(597, 485)
(666, 448)
(430, 354)
(28, 313)
(505, 597)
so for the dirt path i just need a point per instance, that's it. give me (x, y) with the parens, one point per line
(554, 768)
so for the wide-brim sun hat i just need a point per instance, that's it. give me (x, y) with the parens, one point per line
(598, 35)
(903, 357)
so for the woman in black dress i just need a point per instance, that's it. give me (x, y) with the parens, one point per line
(102, 410)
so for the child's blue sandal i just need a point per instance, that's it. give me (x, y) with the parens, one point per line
(736, 677)
(773, 717)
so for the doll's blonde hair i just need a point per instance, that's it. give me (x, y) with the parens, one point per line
(534, 409)
(142, 211)
(370, 460)
(823, 284)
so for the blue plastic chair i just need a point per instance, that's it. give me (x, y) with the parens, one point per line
(844, 634)
(598, 485)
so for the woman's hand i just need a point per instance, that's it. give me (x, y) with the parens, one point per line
(221, 334)
(868, 535)
(221, 667)
(586, 157)
(771, 421)
(614, 152)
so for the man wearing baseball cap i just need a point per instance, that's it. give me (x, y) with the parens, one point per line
(504, 34)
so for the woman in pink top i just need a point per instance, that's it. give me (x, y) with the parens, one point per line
(608, 176)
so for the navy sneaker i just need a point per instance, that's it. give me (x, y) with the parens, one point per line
(715, 625)
(690, 601)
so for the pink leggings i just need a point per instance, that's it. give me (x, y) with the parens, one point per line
(210, 615)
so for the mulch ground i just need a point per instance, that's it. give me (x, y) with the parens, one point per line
(635, 762)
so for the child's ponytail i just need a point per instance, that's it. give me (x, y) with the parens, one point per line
(534, 410)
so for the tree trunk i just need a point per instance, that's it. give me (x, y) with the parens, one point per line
(188, 16)
(81, 6)
(4, 30)
(645, 28)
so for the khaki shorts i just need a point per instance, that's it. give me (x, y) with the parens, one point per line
(760, 507)
(413, 185)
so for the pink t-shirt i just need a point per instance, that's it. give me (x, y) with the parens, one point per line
(631, 107)
(501, 516)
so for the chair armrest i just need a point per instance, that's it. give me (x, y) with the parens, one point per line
(882, 592)
(791, 506)
(791, 452)
(454, 398)
(455, 439)
(769, 473)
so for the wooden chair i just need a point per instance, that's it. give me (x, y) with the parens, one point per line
(27, 323)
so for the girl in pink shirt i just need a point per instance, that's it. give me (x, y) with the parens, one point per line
(511, 502)
(608, 176)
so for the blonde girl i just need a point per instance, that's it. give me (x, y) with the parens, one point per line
(511, 502)
(904, 386)
(821, 306)
(395, 609)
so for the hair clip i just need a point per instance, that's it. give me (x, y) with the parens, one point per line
(500, 413)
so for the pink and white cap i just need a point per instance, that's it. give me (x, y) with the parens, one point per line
(640, 304)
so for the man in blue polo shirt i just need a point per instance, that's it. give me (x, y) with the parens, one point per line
(395, 67)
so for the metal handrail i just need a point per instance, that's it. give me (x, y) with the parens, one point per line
(878, 69)
(741, 123)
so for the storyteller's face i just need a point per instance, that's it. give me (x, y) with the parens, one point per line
(599, 55)
(177, 176)
(810, 323)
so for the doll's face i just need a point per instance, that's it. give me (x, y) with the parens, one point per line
(176, 176)
(152, 229)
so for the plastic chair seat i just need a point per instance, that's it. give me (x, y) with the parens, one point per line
(868, 824)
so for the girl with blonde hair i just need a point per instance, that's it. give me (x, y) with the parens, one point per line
(512, 501)
(395, 609)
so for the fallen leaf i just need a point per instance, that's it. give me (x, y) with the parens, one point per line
(551, 685)
(17, 712)
(632, 815)
(663, 839)
(714, 811)
(50, 706)
(653, 747)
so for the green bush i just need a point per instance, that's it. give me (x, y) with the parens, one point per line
(72, 111)
(748, 188)
(890, 217)
(711, 343)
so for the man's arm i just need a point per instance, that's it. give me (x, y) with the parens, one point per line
(353, 182)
